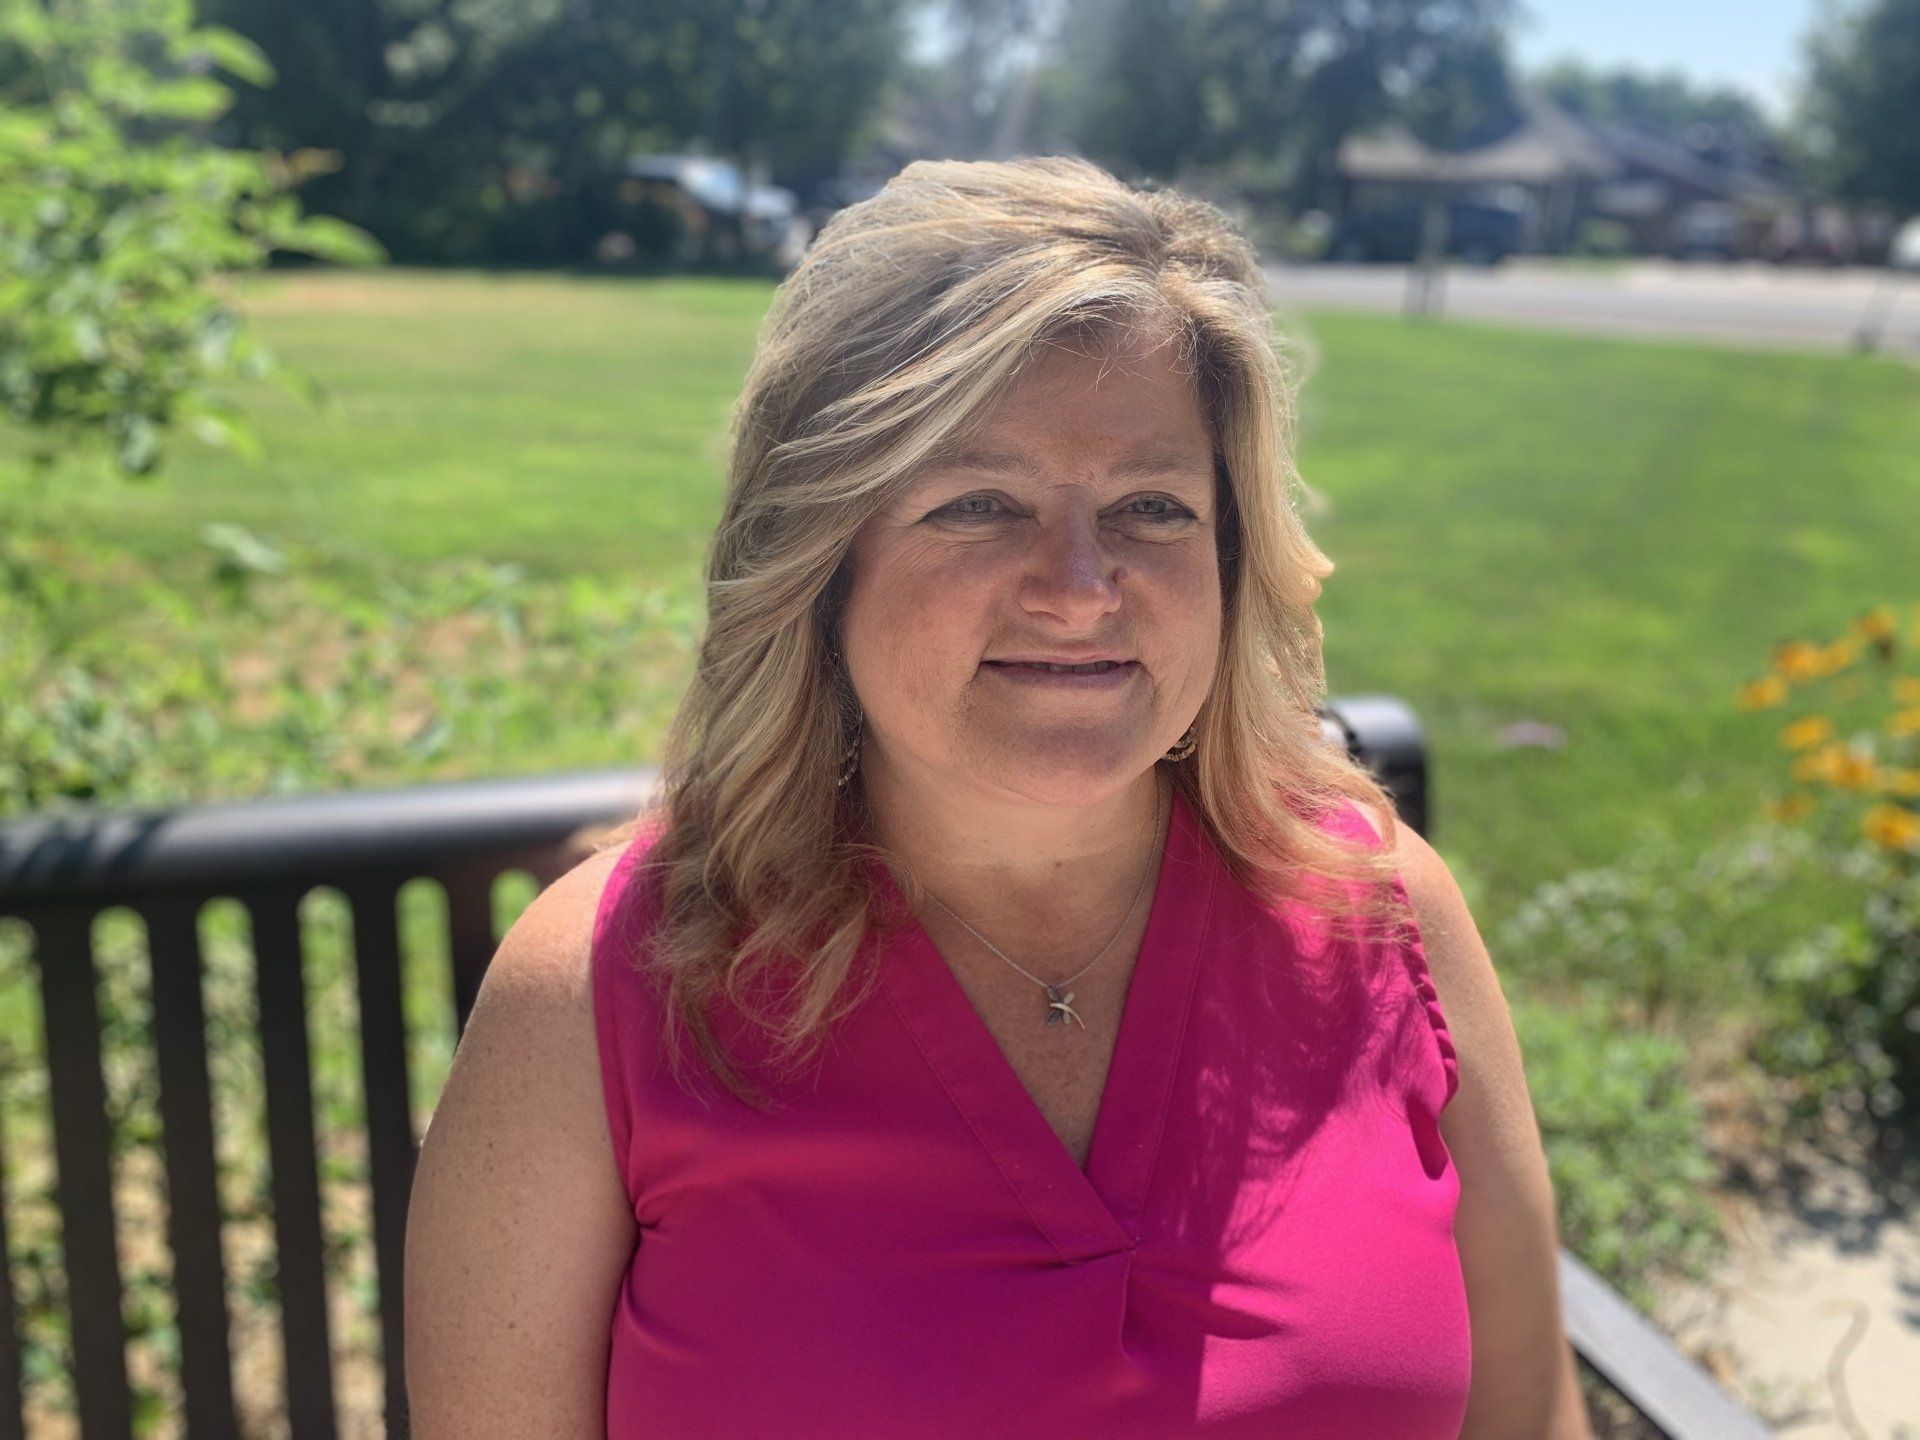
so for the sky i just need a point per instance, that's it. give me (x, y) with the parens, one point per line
(1752, 44)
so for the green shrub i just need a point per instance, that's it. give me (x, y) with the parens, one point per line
(1669, 932)
(1624, 1146)
(1645, 956)
(1842, 1007)
(272, 676)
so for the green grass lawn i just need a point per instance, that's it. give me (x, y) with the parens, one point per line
(574, 425)
(1603, 535)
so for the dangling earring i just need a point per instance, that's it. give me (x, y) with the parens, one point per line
(849, 762)
(1184, 746)
(850, 755)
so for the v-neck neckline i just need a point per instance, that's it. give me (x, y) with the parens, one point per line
(1096, 1211)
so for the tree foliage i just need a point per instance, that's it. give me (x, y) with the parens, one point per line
(116, 219)
(500, 129)
(1857, 124)
(1139, 102)
(1667, 103)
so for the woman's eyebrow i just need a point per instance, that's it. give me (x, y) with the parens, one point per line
(1147, 461)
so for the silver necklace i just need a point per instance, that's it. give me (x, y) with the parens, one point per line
(1059, 998)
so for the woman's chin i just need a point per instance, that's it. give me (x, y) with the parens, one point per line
(1070, 776)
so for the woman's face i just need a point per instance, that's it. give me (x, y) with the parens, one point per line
(1079, 524)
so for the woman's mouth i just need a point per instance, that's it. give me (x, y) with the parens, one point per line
(1097, 675)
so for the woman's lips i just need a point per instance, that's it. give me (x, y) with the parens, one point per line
(1109, 679)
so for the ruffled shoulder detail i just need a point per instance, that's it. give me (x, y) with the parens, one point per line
(1413, 956)
(1414, 953)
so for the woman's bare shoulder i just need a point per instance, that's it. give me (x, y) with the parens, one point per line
(552, 940)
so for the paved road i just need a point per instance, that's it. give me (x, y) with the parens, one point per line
(1743, 304)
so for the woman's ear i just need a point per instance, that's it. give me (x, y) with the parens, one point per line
(832, 603)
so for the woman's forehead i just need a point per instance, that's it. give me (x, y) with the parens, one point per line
(1154, 356)
(1155, 457)
(1140, 410)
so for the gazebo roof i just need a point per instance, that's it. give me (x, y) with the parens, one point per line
(1547, 145)
(1664, 157)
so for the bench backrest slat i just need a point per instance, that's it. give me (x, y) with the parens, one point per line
(193, 1179)
(293, 1155)
(391, 1144)
(83, 1152)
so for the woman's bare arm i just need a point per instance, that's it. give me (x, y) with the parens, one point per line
(1525, 1385)
(520, 1229)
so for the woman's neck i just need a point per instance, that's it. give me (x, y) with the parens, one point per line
(999, 860)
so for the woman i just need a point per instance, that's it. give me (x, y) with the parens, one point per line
(1015, 1020)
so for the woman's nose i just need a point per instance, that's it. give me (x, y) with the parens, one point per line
(1069, 571)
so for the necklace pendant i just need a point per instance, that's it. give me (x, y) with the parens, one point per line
(1059, 1008)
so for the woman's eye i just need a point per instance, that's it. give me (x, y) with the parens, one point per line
(958, 506)
(1174, 509)
(970, 506)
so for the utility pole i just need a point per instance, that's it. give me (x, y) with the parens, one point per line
(1425, 277)
(1866, 339)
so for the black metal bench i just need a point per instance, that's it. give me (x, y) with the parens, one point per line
(57, 872)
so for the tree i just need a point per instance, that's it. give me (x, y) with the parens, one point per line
(493, 129)
(1856, 122)
(1137, 106)
(416, 99)
(116, 215)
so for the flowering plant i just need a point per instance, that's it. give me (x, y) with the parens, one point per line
(1850, 995)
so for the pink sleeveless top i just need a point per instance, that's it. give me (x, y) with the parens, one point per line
(1261, 1243)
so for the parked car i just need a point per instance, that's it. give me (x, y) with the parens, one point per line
(1478, 234)
(1705, 229)
(1812, 235)
(725, 218)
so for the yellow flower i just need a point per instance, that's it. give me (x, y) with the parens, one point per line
(1789, 809)
(1893, 826)
(1808, 732)
(1855, 772)
(1839, 765)
(1820, 765)
(1766, 693)
(1839, 655)
(1877, 624)
(1900, 782)
(1906, 689)
(1904, 722)
(1797, 660)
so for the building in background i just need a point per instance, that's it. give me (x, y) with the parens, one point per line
(1575, 185)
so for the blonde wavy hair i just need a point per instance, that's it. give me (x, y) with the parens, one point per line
(907, 319)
